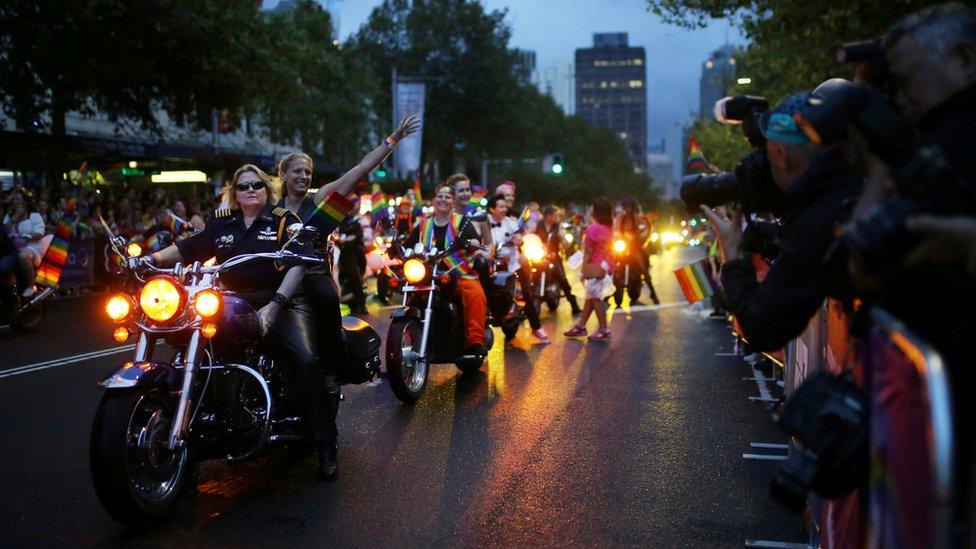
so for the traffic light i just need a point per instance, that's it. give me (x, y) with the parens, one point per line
(380, 174)
(553, 163)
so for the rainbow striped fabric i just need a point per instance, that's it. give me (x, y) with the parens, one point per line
(696, 281)
(455, 260)
(49, 273)
(379, 209)
(696, 159)
(175, 224)
(330, 212)
(475, 201)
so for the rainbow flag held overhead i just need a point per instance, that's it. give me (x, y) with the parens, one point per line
(477, 193)
(49, 273)
(696, 159)
(330, 212)
(696, 281)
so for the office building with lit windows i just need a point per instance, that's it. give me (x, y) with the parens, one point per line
(611, 81)
(717, 73)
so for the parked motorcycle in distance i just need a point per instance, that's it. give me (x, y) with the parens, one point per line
(219, 395)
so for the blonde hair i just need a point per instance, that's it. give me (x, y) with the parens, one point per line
(271, 190)
(286, 161)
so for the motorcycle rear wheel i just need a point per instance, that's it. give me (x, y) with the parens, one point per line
(136, 477)
(406, 372)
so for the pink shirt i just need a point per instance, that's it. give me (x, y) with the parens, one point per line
(597, 241)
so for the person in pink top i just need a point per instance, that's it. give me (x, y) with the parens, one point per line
(597, 264)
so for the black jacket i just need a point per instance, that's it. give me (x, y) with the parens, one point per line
(778, 309)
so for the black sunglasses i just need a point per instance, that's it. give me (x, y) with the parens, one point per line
(254, 185)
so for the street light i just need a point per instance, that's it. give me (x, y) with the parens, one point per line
(743, 81)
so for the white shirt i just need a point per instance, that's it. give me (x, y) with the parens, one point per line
(503, 234)
(31, 228)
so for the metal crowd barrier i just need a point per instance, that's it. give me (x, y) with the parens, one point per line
(910, 493)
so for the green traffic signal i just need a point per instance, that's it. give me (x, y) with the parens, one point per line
(381, 174)
(557, 169)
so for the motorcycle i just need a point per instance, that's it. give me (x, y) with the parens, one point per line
(543, 264)
(626, 275)
(503, 311)
(430, 306)
(23, 314)
(221, 394)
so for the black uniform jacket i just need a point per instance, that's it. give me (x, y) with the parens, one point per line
(224, 236)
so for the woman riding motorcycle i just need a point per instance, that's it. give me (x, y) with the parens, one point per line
(252, 224)
(325, 211)
(440, 230)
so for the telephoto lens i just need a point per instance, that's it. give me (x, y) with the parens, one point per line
(708, 189)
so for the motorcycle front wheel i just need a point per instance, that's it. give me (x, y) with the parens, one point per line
(137, 478)
(405, 369)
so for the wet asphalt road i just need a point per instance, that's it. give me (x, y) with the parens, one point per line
(637, 441)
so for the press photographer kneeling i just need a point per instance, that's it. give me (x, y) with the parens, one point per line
(820, 189)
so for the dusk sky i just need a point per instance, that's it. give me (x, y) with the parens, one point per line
(555, 28)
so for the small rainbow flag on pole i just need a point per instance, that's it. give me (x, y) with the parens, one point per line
(696, 281)
(475, 201)
(378, 198)
(696, 159)
(329, 213)
(175, 224)
(49, 273)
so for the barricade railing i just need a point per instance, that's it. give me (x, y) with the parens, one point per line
(910, 492)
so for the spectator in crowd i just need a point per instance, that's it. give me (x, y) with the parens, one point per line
(597, 265)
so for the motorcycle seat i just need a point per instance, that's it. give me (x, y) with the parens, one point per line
(354, 324)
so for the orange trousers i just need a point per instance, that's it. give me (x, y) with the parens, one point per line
(475, 308)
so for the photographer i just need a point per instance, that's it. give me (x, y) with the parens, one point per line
(820, 189)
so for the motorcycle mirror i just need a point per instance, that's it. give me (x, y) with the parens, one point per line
(418, 248)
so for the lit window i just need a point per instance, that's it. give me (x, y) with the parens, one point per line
(709, 64)
(636, 83)
(731, 60)
(623, 135)
(603, 84)
(638, 61)
(613, 83)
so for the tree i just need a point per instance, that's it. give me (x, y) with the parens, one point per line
(722, 145)
(793, 42)
(128, 59)
(323, 94)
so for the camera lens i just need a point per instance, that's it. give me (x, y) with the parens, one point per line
(710, 190)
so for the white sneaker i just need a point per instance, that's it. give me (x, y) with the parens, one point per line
(542, 336)
(28, 292)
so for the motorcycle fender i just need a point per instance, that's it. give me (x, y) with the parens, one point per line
(136, 374)
(407, 312)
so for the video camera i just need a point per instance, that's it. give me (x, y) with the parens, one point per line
(923, 178)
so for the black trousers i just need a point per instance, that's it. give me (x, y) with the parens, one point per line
(351, 275)
(293, 333)
(559, 274)
(528, 293)
(320, 289)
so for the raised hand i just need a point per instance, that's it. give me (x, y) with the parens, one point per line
(408, 126)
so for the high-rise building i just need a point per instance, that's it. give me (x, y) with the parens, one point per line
(661, 171)
(524, 65)
(559, 82)
(717, 73)
(611, 91)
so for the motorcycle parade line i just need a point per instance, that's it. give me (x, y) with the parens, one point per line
(37, 366)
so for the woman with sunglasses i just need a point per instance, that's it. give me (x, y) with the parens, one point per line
(295, 172)
(253, 224)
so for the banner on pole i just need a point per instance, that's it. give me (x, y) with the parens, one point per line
(409, 100)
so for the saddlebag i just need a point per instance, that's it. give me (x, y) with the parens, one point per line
(362, 362)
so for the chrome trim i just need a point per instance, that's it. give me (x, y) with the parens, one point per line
(941, 451)
(267, 410)
(143, 348)
(177, 435)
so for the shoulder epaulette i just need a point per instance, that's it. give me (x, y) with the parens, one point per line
(221, 212)
(280, 212)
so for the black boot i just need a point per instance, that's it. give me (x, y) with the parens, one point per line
(328, 462)
(572, 303)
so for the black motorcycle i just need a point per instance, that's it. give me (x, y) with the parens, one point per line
(503, 311)
(430, 308)
(217, 392)
(544, 274)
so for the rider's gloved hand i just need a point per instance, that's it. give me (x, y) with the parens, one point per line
(146, 261)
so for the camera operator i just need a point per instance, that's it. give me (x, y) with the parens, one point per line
(820, 188)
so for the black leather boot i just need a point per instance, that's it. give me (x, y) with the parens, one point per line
(573, 304)
(328, 463)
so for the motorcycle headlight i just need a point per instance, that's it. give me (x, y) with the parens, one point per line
(134, 250)
(161, 298)
(568, 237)
(206, 303)
(414, 270)
(532, 248)
(118, 307)
(619, 246)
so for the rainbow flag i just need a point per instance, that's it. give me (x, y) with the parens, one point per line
(49, 273)
(696, 281)
(696, 159)
(379, 209)
(174, 224)
(330, 213)
(475, 201)
(523, 219)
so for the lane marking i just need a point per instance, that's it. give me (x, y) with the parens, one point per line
(765, 457)
(641, 308)
(769, 445)
(37, 366)
(766, 544)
